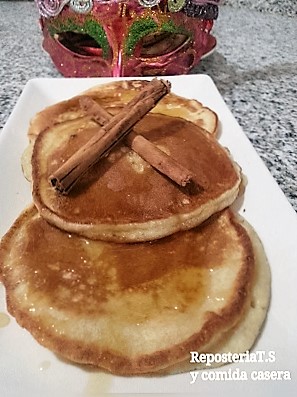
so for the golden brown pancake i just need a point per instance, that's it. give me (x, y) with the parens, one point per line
(128, 200)
(128, 308)
(242, 337)
(113, 96)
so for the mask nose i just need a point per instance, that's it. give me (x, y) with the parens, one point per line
(117, 66)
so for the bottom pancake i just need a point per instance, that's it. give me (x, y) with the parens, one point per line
(241, 337)
(132, 308)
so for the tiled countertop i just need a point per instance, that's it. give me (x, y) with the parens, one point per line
(254, 68)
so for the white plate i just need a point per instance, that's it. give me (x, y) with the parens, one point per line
(27, 369)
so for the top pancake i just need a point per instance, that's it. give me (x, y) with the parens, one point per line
(113, 96)
(123, 198)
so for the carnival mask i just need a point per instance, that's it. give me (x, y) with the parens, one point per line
(93, 38)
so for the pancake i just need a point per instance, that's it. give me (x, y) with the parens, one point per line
(130, 308)
(113, 96)
(243, 336)
(129, 200)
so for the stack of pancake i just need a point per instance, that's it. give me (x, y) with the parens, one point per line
(130, 272)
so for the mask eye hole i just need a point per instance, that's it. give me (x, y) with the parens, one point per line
(80, 43)
(159, 44)
(87, 39)
(147, 38)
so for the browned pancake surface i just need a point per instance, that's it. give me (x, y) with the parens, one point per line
(125, 191)
(128, 308)
(113, 96)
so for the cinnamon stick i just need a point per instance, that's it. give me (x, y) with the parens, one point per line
(64, 178)
(139, 144)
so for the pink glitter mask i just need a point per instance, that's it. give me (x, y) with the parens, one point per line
(93, 38)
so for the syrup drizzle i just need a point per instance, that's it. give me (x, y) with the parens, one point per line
(97, 383)
(4, 320)
(44, 366)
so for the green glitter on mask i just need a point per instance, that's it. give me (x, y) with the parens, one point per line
(145, 26)
(170, 27)
(138, 30)
(89, 26)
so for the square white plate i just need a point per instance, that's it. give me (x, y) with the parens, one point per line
(28, 369)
